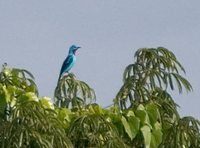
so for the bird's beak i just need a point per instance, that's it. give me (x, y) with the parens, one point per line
(76, 50)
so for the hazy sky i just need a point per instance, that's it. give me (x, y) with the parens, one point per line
(36, 34)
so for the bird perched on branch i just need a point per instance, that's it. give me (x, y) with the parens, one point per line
(69, 61)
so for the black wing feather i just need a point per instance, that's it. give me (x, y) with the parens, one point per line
(66, 64)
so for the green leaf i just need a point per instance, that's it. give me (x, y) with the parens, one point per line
(64, 115)
(143, 116)
(29, 96)
(153, 112)
(96, 109)
(156, 138)
(146, 132)
(140, 107)
(46, 102)
(134, 124)
(3, 101)
(170, 82)
(130, 113)
(6, 94)
(127, 127)
(77, 93)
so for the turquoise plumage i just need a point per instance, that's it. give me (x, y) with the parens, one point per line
(69, 61)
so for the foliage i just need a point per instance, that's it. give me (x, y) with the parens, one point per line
(91, 129)
(147, 81)
(144, 114)
(185, 133)
(34, 126)
(153, 68)
(71, 91)
(140, 126)
(25, 122)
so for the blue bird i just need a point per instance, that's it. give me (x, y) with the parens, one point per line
(69, 61)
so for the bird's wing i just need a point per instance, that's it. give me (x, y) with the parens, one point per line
(66, 64)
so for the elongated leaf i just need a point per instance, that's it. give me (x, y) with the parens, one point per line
(73, 93)
(146, 132)
(127, 128)
(134, 124)
(153, 112)
(156, 138)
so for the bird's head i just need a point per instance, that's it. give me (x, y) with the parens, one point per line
(73, 49)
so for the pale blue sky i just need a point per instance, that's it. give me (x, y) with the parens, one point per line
(36, 34)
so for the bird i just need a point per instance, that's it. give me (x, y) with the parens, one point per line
(69, 61)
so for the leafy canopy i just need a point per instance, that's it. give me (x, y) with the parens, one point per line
(143, 114)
